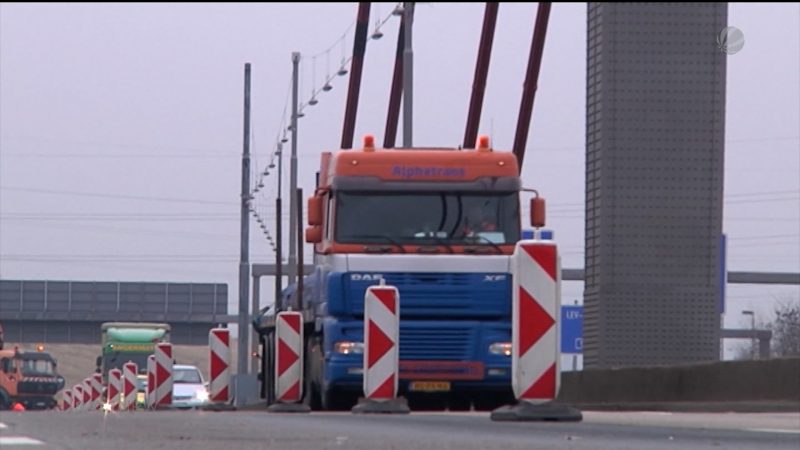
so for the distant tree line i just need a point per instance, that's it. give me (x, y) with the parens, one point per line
(785, 333)
(786, 330)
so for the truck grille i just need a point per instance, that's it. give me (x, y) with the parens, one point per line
(442, 343)
(36, 386)
(445, 294)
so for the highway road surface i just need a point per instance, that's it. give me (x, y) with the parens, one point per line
(201, 430)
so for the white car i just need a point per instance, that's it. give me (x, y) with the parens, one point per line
(189, 390)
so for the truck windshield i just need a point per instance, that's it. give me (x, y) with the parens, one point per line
(115, 360)
(40, 367)
(427, 218)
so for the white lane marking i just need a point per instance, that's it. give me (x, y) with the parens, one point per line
(774, 430)
(18, 440)
(3, 426)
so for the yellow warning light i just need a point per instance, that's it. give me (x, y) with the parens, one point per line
(39, 347)
(369, 143)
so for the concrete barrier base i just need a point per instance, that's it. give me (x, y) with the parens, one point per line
(218, 407)
(367, 406)
(288, 408)
(529, 412)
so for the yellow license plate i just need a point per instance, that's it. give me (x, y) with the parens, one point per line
(429, 386)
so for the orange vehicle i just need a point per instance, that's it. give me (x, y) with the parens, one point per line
(29, 378)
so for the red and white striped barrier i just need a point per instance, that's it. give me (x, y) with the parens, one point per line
(129, 386)
(87, 394)
(220, 349)
(114, 389)
(97, 391)
(77, 397)
(163, 374)
(535, 365)
(66, 400)
(382, 331)
(151, 382)
(289, 357)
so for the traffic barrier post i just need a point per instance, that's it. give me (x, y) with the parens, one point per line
(129, 386)
(163, 375)
(77, 397)
(87, 394)
(151, 382)
(381, 352)
(114, 389)
(97, 391)
(219, 390)
(535, 354)
(289, 363)
(66, 400)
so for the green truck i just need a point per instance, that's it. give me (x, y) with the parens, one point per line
(129, 341)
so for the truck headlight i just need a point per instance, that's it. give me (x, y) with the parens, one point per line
(500, 348)
(349, 347)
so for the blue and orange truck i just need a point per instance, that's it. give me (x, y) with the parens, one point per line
(440, 225)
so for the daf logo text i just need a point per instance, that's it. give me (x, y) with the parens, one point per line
(366, 277)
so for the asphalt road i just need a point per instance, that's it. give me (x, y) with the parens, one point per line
(200, 430)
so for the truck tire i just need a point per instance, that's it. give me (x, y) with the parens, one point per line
(427, 402)
(269, 369)
(490, 401)
(337, 400)
(5, 401)
(311, 396)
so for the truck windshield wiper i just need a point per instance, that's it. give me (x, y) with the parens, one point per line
(489, 241)
(443, 243)
(387, 238)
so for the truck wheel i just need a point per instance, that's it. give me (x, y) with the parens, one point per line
(427, 402)
(269, 370)
(330, 400)
(337, 400)
(5, 402)
(311, 396)
(492, 401)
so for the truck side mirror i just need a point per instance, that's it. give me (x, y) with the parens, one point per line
(314, 234)
(537, 212)
(315, 210)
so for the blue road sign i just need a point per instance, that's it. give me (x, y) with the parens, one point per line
(572, 329)
(723, 271)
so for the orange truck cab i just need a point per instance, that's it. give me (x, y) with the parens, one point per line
(29, 378)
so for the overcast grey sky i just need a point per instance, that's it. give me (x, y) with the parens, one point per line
(121, 128)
